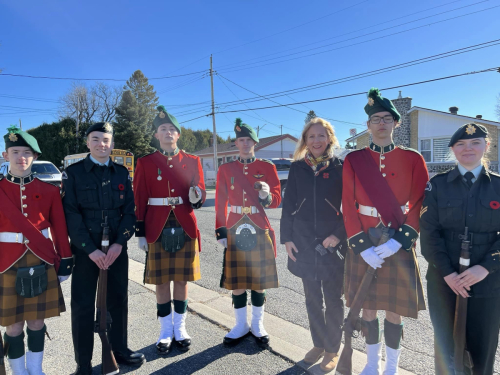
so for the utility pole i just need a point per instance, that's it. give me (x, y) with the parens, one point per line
(260, 128)
(77, 121)
(20, 124)
(216, 166)
(281, 126)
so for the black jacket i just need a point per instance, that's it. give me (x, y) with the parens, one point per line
(311, 212)
(449, 206)
(88, 190)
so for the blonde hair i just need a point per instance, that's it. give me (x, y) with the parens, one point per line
(301, 148)
(485, 160)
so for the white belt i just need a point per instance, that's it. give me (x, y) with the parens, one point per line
(372, 211)
(169, 201)
(245, 210)
(11, 237)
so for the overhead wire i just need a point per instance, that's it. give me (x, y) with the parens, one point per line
(96, 79)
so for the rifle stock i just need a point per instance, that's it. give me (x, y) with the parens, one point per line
(103, 319)
(461, 357)
(353, 322)
(2, 357)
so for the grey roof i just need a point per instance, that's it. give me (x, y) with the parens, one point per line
(228, 147)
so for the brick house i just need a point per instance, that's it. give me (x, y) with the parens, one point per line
(429, 131)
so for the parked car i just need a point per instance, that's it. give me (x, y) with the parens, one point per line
(44, 170)
(283, 167)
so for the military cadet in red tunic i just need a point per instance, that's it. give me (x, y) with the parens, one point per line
(30, 269)
(249, 185)
(384, 184)
(168, 185)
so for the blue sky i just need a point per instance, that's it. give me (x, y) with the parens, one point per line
(111, 39)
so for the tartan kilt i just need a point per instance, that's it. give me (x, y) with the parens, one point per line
(397, 286)
(15, 309)
(254, 269)
(183, 265)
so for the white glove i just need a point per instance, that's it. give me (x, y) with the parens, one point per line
(223, 242)
(143, 244)
(387, 249)
(192, 195)
(264, 192)
(371, 257)
(62, 278)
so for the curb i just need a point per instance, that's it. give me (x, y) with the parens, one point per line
(217, 308)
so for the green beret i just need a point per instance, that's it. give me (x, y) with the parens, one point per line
(18, 138)
(103, 127)
(377, 103)
(244, 130)
(468, 131)
(163, 117)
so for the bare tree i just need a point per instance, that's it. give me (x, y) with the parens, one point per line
(90, 104)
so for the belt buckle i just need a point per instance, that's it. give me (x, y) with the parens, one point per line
(247, 210)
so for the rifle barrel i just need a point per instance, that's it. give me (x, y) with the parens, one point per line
(2, 358)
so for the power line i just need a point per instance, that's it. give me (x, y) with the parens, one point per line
(29, 98)
(291, 28)
(181, 84)
(497, 69)
(249, 66)
(373, 72)
(196, 118)
(95, 79)
(344, 34)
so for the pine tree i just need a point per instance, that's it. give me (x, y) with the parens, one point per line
(144, 94)
(133, 130)
(310, 116)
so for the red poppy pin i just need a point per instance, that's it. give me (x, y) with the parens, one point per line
(495, 205)
(121, 187)
(37, 197)
(326, 175)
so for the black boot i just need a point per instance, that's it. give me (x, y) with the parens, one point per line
(129, 358)
(83, 369)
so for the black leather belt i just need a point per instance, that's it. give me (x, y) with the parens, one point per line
(477, 238)
(101, 214)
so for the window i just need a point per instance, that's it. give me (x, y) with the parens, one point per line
(44, 168)
(425, 149)
(118, 160)
(435, 150)
(129, 161)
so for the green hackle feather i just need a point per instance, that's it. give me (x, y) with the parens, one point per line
(238, 122)
(373, 93)
(161, 108)
(13, 129)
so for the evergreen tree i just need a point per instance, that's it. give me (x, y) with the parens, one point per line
(144, 94)
(310, 115)
(133, 130)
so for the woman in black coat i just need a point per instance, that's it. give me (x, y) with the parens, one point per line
(313, 232)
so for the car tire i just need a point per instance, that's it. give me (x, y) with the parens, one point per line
(283, 187)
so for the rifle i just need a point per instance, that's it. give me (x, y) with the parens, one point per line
(2, 357)
(103, 318)
(462, 357)
(353, 322)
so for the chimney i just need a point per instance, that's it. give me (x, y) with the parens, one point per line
(453, 110)
(479, 116)
(400, 97)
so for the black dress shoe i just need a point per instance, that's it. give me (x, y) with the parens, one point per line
(183, 344)
(232, 342)
(163, 348)
(262, 341)
(83, 369)
(128, 357)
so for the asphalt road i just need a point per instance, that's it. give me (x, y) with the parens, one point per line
(287, 301)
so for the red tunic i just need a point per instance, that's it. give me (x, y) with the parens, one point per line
(406, 174)
(42, 206)
(259, 170)
(182, 171)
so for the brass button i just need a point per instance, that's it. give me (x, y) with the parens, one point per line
(68, 267)
(382, 166)
(382, 157)
(361, 240)
(23, 197)
(173, 206)
(25, 214)
(246, 167)
(407, 234)
(246, 172)
(383, 175)
(353, 245)
(400, 229)
(169, 158)
(25, 205)
(171, 166)
(23, 188)
(245, 199)
(26, 241)
(172, 190)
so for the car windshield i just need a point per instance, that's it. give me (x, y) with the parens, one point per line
(282, 165)
(44, 168)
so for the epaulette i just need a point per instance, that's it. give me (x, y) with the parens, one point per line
(266, 160)
(439, 174)
(409, 149)
(120, 165)
(73, 164)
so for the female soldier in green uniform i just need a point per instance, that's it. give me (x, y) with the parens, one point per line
(468, 196)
